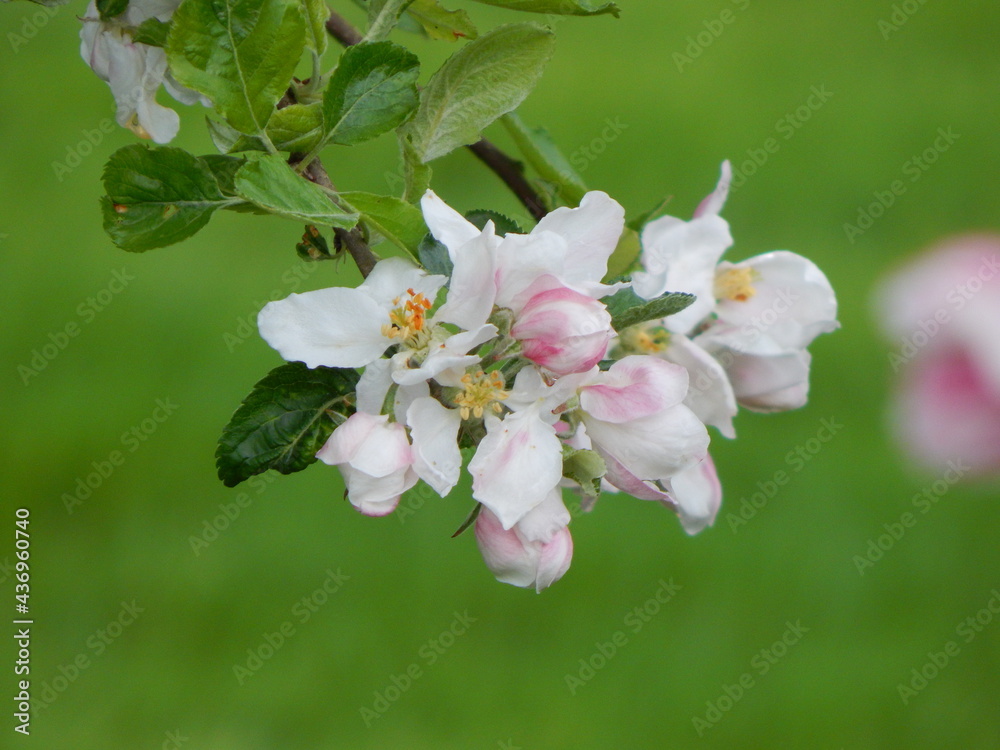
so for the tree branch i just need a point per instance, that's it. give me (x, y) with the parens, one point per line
(505, 167)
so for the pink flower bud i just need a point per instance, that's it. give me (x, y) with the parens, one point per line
(563, 331)
(516, 560)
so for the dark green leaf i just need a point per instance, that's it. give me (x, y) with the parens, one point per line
(372, 91)
(156, 197)
(285, 420)
(434, 256)
(627, 308)
(239, 53)
(559, 7)
(485, 79)
(268, 182)
(313, 246)
(153, 32)
(224, 168)
(108, 9)
(503, 224)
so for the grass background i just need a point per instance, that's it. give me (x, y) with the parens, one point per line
(178, 331)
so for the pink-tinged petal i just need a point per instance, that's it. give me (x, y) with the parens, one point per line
(393, 277)
(370, 444)
(698, 495)
(622, 479)
(516, 465)
(681, 257)
(335, 327)
(376, 496)
(948, 413)
(518, 562)
(654, 447)
(472, 290)
(792, 305)
(546, 520)
(436, 457)
(635, 387)
(769, 384)
(563, 331)
(521, 260)
(710, 394)
(591, 232)
(447, 225)
(714, 201)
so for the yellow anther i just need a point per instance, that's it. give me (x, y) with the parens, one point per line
(735, 284)
(648, 340)
(480, 392)
(408, 318)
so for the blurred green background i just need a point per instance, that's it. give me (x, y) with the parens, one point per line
(179, 332)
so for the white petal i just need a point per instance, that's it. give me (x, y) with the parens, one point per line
(521, 260)
(374, 386)
(473, 290)
(591, 233)
(710, 394)
(654, 447)
(449, 354)
(335, 327)
(376, 496)
(370, 444)
(516, 465)
(698, 495)
(769, 384)
(545, 520)
(392, 277)
(715, 200)
(447, 225)
(434, 430)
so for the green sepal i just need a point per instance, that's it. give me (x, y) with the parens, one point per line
(586, 468)
(504, 224)
(109, 9)
(153, 32)
(285, 420)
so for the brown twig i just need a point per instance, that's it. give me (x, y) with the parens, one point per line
(505, 167)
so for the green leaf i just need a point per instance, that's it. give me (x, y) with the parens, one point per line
(239, 53)
(585, 467)
(316, 13)
(434, 256)
(156, 197)
(440, 23)
(297, 127)
(398, 221)
(108, 9)
(383, 15)
(559, 7)
(268, 182)
(224, 168)
(372, 91)
(625, 254)
(504, 224)
(285, 420)
(541, 152)
(153, 32)
(313, 246)
(229, 140)
(416, 174)
(487, 78)
(627, 308)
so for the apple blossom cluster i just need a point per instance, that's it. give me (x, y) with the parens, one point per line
(514, 358)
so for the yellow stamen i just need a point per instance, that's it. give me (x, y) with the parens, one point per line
(645, 340)
(735, 284)
(480, 392)
(408, 318)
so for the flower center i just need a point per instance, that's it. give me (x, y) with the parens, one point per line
(408, 320)
(645, 340)
(735, 284)
(480, 391)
